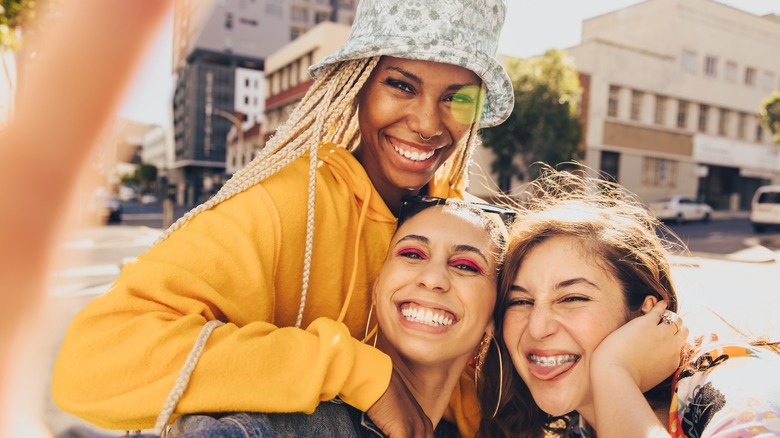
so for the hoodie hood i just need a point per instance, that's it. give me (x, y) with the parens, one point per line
(348, 170)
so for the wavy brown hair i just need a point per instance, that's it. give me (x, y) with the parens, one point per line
(617, 230)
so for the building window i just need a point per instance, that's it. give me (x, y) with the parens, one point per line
(759, 133)
(659, 172)
(741, 123)
(689, 61)
(294, 33)
(294, 74)
(273, 84)
(319, 17)
(767, 81)
(248, 21)
(704, 111)
(286, 78)
(750, 76)
(723, 121)
(610, 165)
(612, 104)
(660, 110)
(274, 8)
(298, 14)
(682, 114)
(636, 104)
(731, 71)
(228, 21)
(711, 66)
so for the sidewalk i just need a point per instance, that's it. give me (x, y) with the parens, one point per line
(89, 261)
(730, 215)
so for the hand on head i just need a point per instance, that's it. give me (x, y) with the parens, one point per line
(647, 347)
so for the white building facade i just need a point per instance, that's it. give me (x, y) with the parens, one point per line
(671, 93)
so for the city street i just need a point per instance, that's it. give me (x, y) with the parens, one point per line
(148, 215)
(723, 236)
(725, 274)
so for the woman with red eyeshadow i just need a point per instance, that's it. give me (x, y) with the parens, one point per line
(432, 304)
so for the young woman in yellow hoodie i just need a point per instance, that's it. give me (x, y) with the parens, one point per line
(432, 304)
(256, 300)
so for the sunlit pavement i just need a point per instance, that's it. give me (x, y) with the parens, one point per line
(744, 288)
(89, 261)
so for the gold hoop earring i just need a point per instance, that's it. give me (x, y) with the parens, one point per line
(500, 377)
(484, 347)
(374, 332)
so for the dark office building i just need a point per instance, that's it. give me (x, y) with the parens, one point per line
(210, 46)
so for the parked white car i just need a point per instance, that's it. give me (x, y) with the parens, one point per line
(765, 208)
(148, 198)
(681, 208)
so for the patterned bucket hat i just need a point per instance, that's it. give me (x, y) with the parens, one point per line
(460, 32)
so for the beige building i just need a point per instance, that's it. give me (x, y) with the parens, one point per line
(286, 71)
(672, 90)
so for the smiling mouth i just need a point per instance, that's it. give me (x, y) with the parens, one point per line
(551, 361)
(551, 368)
(426, 316)
(412, 153)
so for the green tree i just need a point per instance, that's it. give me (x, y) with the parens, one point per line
(544, 125)
(146, 175)
(769, 115)
(20, 22)
(12, 14)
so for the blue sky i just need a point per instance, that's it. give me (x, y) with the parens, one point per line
(531, 27)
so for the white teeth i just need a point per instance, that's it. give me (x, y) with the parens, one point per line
(426, 316)
(550, 361)
(414, 155)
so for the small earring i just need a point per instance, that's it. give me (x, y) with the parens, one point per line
(423, 138)
(484, 345)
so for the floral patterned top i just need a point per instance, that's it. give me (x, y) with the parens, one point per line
(724, 391)
(727, 391)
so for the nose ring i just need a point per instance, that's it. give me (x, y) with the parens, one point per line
(423, 138)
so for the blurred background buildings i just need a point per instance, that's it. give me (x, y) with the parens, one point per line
(220, 89)
(672, 89)
(670, 92)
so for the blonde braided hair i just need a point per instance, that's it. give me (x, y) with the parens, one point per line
(327, 113)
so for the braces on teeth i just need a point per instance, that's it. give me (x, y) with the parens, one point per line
(553, 360)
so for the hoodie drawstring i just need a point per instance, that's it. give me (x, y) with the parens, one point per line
(352, 279)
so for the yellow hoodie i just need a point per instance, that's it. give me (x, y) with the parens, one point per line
(241, 263)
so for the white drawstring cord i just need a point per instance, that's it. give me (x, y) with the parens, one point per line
(184, 377)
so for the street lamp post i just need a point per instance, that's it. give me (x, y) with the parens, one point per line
(237, 124)
(210, 109)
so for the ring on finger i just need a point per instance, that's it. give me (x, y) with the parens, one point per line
(670, 318)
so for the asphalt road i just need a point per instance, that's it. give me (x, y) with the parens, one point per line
(723, 236)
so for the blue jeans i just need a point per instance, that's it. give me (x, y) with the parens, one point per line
(330, 419)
